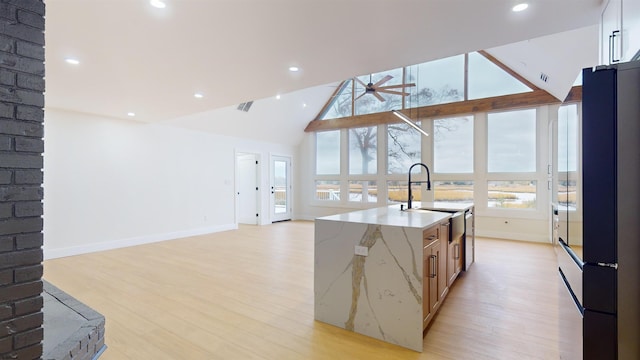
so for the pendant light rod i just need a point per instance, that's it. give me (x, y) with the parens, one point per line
(406, 119)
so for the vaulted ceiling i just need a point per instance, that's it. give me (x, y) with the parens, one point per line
(137, 58)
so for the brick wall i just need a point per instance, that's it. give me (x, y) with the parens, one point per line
(21, 147)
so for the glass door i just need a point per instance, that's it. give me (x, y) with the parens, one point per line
(280, 188)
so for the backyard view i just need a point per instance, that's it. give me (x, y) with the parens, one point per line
(501, 194)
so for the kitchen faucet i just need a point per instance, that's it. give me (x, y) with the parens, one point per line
(417, 182)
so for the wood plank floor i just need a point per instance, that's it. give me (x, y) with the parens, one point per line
(248, 294)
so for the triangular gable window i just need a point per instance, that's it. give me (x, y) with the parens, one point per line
(486, 79)
(436, 82)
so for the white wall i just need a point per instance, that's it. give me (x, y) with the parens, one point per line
(112, 183)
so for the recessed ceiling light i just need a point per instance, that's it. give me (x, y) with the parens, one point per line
(132, 114)
(198, 95)
(520, 7)
(158, 4)
(72, 61)
(294, 68)
(278, 97)
(304, 105)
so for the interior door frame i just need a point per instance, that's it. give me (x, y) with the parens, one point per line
(276, 217)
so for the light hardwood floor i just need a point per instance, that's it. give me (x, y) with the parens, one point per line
(248, 294)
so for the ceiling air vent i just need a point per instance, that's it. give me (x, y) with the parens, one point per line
(544, 77)
(245, 106)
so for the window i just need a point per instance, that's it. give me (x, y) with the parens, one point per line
(511, 139)
(486, 79)
(568, 157)
(453, 191)
(341, 104)
(363, 146)
(397, 192)
(403, 144)
(453, 145)
(328, 153)
(568, 138)
(327, 190)
(367, 103)
(512, 194)
(363, 191)
(437, 82)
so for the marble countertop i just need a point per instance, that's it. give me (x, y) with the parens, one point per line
(391, 216)
(441, 205)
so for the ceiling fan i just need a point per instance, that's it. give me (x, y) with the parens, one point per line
(376, 88)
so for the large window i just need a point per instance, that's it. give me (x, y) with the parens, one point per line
(568, 141)
(568, 138)
(511, 140)
(327, 190)
(363, 191)
(437, 82)
(403, 144)
(363, 146)
(453, 191)
(328, 153)
(486, 79)
(512, 194)
(453, 145)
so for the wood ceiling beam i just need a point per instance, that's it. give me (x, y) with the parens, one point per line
(505, 102)
(508, 70)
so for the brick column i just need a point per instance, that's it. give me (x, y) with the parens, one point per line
(21, 163)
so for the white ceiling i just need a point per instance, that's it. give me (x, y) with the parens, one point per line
(136, 58)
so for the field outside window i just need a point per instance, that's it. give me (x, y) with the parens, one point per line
(327, 190)
(453, 191)
(512, 194)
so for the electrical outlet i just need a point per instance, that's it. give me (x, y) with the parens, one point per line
(362, 250)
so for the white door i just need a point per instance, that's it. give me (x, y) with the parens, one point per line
(247, 193)
(280, 188)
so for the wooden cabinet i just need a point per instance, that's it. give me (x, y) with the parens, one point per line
(434, 282)
(454, 260)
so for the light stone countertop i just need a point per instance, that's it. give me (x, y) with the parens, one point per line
(442, 206)
(391, 216)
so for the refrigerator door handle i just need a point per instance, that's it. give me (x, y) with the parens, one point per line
(614, 266)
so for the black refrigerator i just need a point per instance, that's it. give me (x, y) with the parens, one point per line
(598, 269)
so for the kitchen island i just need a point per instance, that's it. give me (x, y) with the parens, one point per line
(381, 272)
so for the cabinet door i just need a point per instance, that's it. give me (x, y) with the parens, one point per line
(430, 283)
(434, 292)
(454, 260)
(443, 284)
(631, 28)
(428, 272)
(451, 263)
(611, 33)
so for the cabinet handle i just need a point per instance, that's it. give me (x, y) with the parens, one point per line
(610, 49)
(612, 46)
(456, 250)
(434, 266)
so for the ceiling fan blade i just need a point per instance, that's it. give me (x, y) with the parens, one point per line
(402, 93)
(396, 86)
(361, 83)
(359, 96)
(382, 81)
(378, 96)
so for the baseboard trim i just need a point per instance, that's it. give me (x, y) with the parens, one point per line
(139, 240)
(513, 236)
